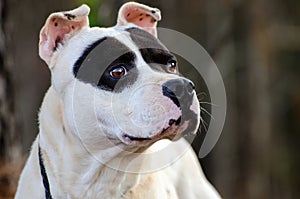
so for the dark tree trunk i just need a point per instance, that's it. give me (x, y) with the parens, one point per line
(9, 139)
(24, 79)
(10, 145)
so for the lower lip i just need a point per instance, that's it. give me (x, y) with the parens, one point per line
(163, 134)
(132, 138)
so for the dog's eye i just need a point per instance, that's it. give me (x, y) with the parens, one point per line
(172, 66)
(118, 72)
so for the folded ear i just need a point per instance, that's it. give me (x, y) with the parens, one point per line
(60, 27)
(141, 15)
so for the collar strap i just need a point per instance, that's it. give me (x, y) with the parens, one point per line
(44, 176)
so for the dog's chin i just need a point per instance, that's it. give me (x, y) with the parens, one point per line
(173, 133)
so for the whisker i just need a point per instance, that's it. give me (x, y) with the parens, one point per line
(209, 103)
(207, 112)
(205, 125)
(201, 96)
(201, 93)
(198, 131)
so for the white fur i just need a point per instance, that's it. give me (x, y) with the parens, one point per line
(82, 138)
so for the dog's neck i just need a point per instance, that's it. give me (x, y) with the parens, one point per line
(72, 165)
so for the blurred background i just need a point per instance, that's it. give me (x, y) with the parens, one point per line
(256, 46)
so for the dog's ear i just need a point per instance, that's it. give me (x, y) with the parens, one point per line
(60, 27)
(141, 15)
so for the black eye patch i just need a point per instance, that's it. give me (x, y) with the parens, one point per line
(94, 65)
(152, 50)
(107, 82)
(158, 59)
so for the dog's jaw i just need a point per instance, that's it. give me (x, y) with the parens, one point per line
(173, 133)
(172, 122)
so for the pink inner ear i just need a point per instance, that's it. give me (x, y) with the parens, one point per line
(58, 28)
(139, 17)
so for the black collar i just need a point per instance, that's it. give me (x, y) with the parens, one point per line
(44, 176)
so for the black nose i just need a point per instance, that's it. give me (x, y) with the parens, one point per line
(180, 91)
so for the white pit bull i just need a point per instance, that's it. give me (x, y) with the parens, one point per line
(112, 121)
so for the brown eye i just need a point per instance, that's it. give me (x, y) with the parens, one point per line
(172, 66)
(118, 72)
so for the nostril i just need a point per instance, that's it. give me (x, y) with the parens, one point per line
(192, 85)
(180, 91)
(170, 94)
(190, 88)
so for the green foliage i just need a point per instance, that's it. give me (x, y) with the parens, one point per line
(94, 5)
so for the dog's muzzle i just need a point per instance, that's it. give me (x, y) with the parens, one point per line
(180, 91)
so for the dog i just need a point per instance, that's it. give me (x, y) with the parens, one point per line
(112, 122)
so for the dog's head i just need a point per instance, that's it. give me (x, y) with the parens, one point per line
(119, 82)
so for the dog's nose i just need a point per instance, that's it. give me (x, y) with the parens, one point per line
(180, 91)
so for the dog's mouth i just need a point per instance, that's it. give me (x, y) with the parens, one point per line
(132, 138)
(172, 132)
